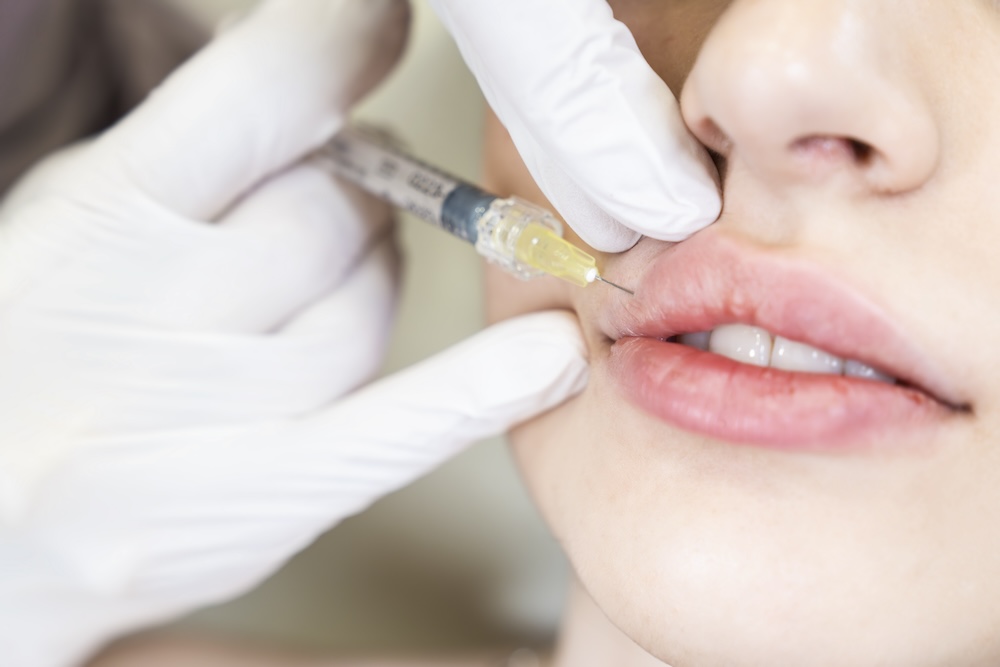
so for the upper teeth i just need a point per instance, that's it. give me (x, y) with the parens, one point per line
(756, 346)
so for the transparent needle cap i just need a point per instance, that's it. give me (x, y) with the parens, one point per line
(526, 240)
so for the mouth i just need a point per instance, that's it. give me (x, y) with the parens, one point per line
(756, 347)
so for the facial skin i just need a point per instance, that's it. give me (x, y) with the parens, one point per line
(857, 138)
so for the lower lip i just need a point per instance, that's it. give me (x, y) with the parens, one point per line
(715, 396)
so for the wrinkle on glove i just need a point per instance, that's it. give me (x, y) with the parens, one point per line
(600, 132)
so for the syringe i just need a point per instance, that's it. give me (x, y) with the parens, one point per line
(521, 238)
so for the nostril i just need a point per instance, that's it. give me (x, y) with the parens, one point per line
(864, 153)
(834, 149)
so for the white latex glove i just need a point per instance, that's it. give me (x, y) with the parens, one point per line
(173, 424)
(597, 128)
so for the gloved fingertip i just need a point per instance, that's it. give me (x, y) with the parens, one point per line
(687, 216)
(401, 426)
(610, 237)
(542, 356)
(554, 329)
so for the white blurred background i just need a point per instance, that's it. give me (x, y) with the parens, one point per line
(460, 559)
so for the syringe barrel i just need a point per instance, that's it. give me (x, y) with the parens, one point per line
(518, 236)
(371, 161)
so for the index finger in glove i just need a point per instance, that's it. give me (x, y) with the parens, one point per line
(257, 98)
(336, 461)
(401, 427)
(599, 131)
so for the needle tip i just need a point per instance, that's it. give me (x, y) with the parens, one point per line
(608, 282)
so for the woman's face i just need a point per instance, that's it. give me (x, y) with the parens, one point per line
(723, 512)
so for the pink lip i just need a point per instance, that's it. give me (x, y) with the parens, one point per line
(711, 280)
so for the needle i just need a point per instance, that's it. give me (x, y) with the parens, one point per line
(608, 282)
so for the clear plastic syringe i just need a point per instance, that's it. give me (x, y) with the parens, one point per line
(521, 238)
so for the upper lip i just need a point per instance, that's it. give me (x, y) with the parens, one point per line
(714, 279)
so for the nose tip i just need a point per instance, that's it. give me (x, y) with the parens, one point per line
(808, 93)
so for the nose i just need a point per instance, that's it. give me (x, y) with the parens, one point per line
(819, 92)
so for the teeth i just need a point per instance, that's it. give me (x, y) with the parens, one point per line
(860, 370)
(739, 342)
(753, 345)
(789, 355)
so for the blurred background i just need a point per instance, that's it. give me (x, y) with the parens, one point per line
(460, 559)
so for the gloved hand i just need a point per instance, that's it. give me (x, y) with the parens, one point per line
(597, 128)
(182, 314)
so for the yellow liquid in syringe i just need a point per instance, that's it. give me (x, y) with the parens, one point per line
(541, 248)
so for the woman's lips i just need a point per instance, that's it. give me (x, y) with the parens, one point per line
(712, 280)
